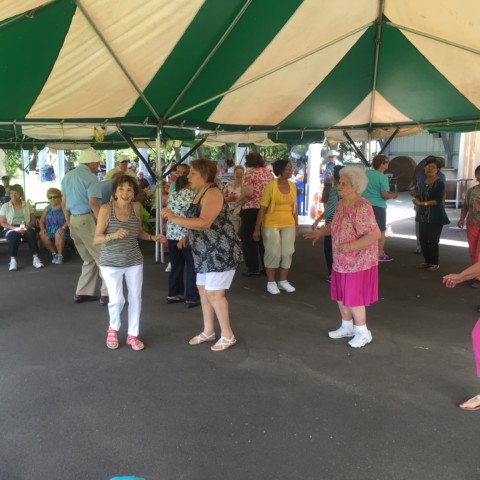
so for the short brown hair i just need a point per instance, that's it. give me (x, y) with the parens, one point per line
(207, 168)
(55, 191)
(378, 160)
(120, 180)
(254, 159)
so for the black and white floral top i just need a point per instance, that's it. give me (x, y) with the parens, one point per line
(178, 203)
(217, 249)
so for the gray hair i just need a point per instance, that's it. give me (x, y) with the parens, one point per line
(357, 178)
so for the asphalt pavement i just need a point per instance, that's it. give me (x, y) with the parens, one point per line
(285, 403)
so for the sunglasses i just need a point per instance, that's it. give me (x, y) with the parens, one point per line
(124, 161)
(53, 196)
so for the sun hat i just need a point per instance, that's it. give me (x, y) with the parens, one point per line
(332, 153)
(89, 156)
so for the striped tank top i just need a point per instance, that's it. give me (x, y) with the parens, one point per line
(122, 252)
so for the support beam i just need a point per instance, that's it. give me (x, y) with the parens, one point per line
(387, 143)
(175, 165)
(139, 155)
(357, 150)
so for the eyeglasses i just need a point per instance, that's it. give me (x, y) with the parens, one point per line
(53, 196)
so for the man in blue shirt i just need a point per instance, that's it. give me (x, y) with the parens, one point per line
(81, 194)
(332, 162)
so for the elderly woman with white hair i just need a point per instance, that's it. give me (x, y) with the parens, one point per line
(354, 280)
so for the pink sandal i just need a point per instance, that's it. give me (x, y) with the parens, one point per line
(112, 339)
(135, 343)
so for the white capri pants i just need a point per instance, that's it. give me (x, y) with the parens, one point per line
(113, 277)
(216, 280)
(279, 246)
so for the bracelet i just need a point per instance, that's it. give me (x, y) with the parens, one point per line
(425, 204)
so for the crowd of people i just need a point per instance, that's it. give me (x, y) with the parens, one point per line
(212, 229)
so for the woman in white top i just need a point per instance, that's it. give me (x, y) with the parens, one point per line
(18, 220)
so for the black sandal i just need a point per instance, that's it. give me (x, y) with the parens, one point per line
(176, 299)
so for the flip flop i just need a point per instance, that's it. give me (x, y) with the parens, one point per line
(475, 399)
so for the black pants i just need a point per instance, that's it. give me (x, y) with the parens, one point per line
(328, 250)
(326, 193)
(13, 239)
(429, 235)
(181, 260)
(251, 248)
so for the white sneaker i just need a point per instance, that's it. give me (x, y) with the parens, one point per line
(59, 260)
(12, 265)
(37, 263)
(285, 285)
(341, 332)
(361, 339)
(169, 267)
(273, 288)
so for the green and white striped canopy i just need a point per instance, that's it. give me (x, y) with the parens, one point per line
(288, 70)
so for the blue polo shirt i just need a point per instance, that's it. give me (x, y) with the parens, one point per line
(79, 186)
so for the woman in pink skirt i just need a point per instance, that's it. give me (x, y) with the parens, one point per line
(354, 280)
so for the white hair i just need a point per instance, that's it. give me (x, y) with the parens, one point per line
(357, 178)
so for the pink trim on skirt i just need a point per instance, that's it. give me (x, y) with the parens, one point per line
(356, 289)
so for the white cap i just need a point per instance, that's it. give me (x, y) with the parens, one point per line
(89, 155)
(122, 157)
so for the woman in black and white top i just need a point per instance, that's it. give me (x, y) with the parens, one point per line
(216, 251)
(117, 233)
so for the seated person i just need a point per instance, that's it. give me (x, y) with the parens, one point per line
(142, 181)
(18, 220)
(5, 189)
(53, 226)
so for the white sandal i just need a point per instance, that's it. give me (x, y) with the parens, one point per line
(476, 404)
(223, 344)
(202, 338)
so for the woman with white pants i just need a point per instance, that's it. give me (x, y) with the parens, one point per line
(117, 233)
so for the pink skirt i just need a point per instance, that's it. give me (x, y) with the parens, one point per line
(356, 289)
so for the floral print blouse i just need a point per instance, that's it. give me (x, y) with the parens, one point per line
(471, 207)
(231, 190)
(258, 178)
(178, 203)
(349, 224)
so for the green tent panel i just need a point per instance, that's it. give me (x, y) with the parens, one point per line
(288, 70)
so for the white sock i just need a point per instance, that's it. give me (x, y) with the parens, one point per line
(283, 281)
(361, 328)
(271, 283)
(347, 324)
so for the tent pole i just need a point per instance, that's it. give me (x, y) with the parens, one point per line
(209, 56)
(175, 165)
(357, 150)
(116, 59)
(378, 41)
(158, 203)
(387, 143)
(128, 139)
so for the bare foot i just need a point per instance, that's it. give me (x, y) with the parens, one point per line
(472, 404)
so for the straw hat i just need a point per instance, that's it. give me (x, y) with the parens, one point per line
(332, 153)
